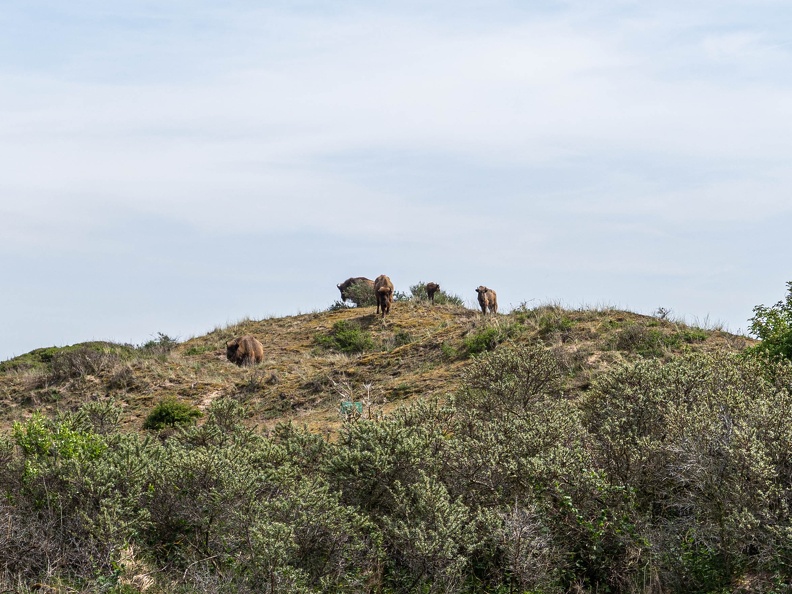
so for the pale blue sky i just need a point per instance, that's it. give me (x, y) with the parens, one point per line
(174, 166)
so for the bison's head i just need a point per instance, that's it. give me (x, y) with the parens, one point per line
(232, 346)
(481, 290)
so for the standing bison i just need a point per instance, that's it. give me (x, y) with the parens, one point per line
(383, 290)
(358, 289)
(431, 289)
(245, 350)
(487, 299)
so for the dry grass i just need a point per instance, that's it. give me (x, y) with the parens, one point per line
(418, 351)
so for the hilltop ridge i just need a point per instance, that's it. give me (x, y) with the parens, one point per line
(314, 361)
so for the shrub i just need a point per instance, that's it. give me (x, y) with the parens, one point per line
(347, 337)
(704, 443)
(169, 412)
(160, 346)
(100, 416)
(640, 340)
(339, 305)
(361, 294)
(773, 326)
(484, 339)
(489, 336)
(441, 297)
(84, 360)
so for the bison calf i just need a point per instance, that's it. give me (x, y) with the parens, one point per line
(487, 299)
(245, 350)
(383, 290)
(431, 289)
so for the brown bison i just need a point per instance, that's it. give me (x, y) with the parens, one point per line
(383, 289)
(431, 289)
(347, 291)
(487, 299)
(245, 350)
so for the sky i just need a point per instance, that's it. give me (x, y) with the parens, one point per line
(179, 165)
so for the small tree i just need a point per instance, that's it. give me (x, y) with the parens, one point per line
(773, 326)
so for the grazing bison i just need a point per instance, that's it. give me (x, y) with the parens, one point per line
(347, 291)
(383, 289)
(487, 299)
(431, 289)
(245, 350)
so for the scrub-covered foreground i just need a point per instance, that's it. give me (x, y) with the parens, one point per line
(664, 477)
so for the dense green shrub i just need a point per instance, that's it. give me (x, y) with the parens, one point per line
(69, 498)
(488, 336)
(705, 444)
(419, 292)
(638, 339)
(170, 412)
(361, 294)
(665, 477)
(348, 337)
(773, 326)
(481, 340)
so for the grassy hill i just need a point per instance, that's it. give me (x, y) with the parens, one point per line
(314, 361)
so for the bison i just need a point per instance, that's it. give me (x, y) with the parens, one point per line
(245, 350)
(383, 290)
(348, 292)
(487, 299)
(431, 289)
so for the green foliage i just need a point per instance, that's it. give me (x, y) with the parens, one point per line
(76, 360)
(638, 339)
(361, 294)
(419, 292)
(484, 339)
(339, 305)
(431, 535)
(39, 438)
(653, 342)
(705, 444)
(666, 476)
(170, 412)
(159, 346)
(347, 337)
(488, 336)
(773, 326)
(550, 321)
(200, 349)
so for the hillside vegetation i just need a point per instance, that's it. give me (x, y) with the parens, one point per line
(548, 450)
(314, 361)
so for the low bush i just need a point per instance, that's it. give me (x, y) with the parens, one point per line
(348, 337)
(638, 339)
(488, 336)
(159, 346)
(361, 294)
(170, 412)
(82, 361)
(481, 340)
(773, 326)
(441, 297)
